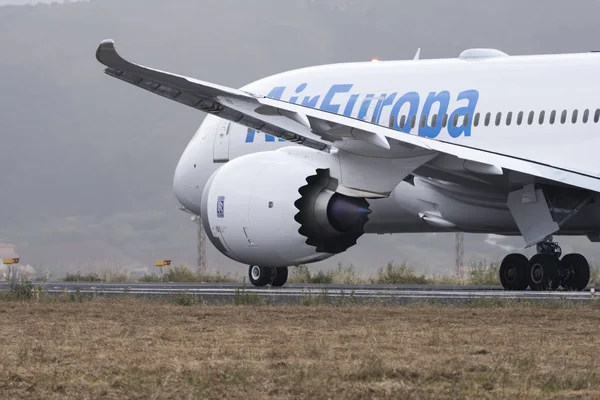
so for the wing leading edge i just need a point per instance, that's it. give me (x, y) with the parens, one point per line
(308, 126)
(231, 104)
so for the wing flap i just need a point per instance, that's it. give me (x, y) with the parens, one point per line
(338, 132)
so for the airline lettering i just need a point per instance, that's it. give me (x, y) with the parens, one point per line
(373, 107)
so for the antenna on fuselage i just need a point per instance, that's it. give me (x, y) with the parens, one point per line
(418, 54)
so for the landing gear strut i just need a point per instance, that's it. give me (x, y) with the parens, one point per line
(545, 270)
(263, 276)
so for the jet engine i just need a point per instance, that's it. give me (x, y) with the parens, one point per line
(273, 209)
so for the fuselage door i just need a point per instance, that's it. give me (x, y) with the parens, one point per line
(221, 146)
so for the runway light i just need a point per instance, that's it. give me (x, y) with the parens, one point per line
(375, 59)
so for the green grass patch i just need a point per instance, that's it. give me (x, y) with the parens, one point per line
(484, 273)
(184, 274)
(340, 276)
(398, 275)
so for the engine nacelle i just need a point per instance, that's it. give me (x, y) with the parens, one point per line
(273, 209)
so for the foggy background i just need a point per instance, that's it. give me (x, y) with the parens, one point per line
(86, 161)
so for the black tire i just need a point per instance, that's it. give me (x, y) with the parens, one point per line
(576, 270)
(543, 271)
(514, 272)
(260, 276)
(281, 277)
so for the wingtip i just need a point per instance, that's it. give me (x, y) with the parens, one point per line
(105, 46)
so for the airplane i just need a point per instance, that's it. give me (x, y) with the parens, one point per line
(296, 167)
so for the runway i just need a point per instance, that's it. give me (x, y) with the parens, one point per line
(297, 292)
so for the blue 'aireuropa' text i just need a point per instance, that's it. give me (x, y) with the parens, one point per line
(394, 108)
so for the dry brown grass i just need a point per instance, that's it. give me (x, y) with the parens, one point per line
(128, 348)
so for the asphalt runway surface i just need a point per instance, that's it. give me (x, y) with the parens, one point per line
(294, 292)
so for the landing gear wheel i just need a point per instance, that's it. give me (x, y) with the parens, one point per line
(280, 277)
(543, 271)
(575, 271)
(513, 272)
(260, 276)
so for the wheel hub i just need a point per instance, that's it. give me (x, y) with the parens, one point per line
(537, 273)
(255, 272)
(511, 272)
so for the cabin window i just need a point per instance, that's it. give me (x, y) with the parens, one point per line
(402, 121)
(455, 120)
(488, 116)
(520, 118)
(574, 117)
(542, 116)
(476, 120)
(444, 120)
(498, 119)
(423, 120)
(392, 120)
(597, 116)
(530, 118)
(508, 118)
(563, 117)
(434, 120)
(413, 121)
(586, 116)
(552, 117)
(466, 120)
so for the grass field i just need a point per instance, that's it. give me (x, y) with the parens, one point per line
(129, 348)
(482, 273)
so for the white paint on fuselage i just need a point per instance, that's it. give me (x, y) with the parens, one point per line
(506, 84)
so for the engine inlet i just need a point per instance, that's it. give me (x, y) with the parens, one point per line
(332, 222)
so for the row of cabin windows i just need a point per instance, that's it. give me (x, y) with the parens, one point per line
(531, 118)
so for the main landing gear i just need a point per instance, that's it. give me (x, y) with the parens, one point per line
(545, 270)
(263, 276)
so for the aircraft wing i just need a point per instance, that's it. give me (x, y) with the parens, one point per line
(232, 104)
(308, 126)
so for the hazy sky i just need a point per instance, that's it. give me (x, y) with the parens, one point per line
(88, 161)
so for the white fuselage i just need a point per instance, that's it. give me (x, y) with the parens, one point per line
(540, 108)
